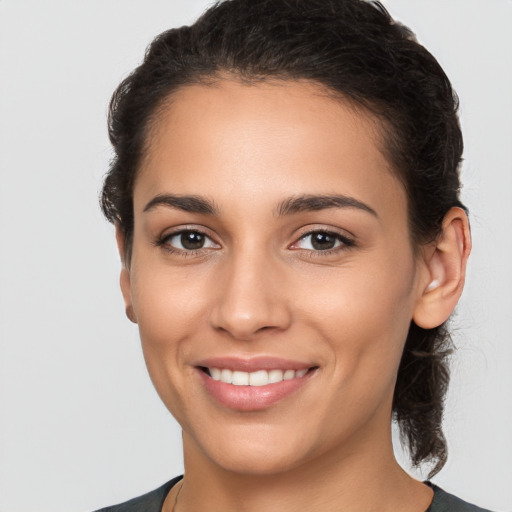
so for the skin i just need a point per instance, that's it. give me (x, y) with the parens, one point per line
(258, 287)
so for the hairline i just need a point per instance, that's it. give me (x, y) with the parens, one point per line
(378, 123)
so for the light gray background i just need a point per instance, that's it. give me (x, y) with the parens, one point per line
(80, 425)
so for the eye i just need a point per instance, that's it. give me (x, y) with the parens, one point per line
(187, 240)
(322, 241)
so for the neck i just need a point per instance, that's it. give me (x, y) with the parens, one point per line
(362, 479)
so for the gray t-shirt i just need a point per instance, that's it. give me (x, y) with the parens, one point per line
(153, 501)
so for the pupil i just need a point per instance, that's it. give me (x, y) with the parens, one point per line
(191, 240)
(323, 241)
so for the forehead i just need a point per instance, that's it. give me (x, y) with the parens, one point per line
(273, 139)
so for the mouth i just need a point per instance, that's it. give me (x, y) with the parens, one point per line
(255, 390)
(256, 378)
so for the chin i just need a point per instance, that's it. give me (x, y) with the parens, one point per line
(256, 453)
(258, 464)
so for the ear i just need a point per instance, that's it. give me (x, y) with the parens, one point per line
(125, 280)
(445, 263)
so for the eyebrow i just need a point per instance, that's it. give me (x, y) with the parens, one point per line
(310, 202)
(290, 206)
(193, 204)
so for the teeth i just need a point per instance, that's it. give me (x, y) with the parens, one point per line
(240, 378)
(258, 378)
(275, 376)
(215, 373)
(226, 376)
(289, 374)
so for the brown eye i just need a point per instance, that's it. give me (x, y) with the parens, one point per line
(191, 240)
(322, 241)
(188, 240)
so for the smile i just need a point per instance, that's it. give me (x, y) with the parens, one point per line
(256, 389)
(257, 378)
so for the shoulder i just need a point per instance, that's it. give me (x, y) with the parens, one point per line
(149, 502)
(445, 502)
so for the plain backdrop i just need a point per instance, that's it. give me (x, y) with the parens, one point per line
(80, 424)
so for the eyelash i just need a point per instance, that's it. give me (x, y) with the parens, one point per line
(346, 243)
(162, 242)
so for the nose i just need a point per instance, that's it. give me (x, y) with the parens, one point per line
(251, 297)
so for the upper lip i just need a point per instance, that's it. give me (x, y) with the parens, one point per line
(253, 364)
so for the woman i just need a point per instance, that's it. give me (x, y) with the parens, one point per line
(285, 195)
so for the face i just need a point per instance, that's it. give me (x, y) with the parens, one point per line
(272, 274)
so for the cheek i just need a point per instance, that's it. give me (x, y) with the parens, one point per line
(166, 300)
(170, 307)
(364, 315)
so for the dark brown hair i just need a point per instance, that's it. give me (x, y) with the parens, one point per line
(356, 50)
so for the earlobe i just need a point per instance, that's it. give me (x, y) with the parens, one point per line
(446, 270)
(126, 290)
(125, 280)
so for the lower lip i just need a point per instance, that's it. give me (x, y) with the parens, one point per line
(251, 398)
